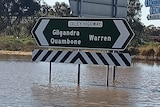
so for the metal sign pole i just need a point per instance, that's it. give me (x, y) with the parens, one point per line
(114, 8)
(114, 71)
(79, 14)
(79, 68)
(107, 76)
(79, 74)
(79, 2)
(114, 15)
(50, 72)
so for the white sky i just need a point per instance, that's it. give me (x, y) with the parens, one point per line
(145, 12)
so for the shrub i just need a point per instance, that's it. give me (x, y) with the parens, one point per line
(149, 52)
(133, 51)
(13, 43)
(158, 52)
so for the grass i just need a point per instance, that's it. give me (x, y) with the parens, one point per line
(13, 43)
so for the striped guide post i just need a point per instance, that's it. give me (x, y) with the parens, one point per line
(81, 57)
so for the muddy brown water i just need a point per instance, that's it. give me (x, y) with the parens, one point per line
(25, 84)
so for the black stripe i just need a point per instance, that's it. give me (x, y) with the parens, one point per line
(46, 56)
(56, 56)
(79, 56)
(125, 60)
(113, 59)
(37, 40)
(91, 57)
(37, 55)
(102, 59)
(66, 56)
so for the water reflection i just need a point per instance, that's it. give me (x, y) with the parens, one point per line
(58, 95)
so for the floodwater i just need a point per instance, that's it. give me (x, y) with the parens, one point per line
(26, 84)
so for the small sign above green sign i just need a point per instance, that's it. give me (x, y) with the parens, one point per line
(96, 33)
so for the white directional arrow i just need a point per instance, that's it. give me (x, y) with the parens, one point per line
(40, 34)
(124, 34)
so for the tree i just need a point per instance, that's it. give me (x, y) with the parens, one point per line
(46, 10)
(61, 9)
(58, 9)
(151, 30)
(13, 10)
(133, 17)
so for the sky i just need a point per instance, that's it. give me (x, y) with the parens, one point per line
(145, 12)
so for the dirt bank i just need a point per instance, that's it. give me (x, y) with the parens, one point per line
(5, 52)
(145, 58)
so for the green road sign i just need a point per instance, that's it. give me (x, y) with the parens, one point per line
(96, 33)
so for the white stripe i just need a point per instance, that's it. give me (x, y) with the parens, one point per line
(51, 56)
(119, 59)
(108, 59)
(124, 34)
(39, 32)
(41, 55)
(72, 55)
(60, 57)
(128, 57)
(98, 60)
(78, 61)
(34, 53)
(87, 59)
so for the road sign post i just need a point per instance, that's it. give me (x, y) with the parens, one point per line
(95, 33)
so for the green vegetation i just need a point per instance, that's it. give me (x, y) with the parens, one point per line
(13, 43)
